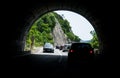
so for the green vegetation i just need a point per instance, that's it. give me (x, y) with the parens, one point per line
(94, 41)
(41, 30)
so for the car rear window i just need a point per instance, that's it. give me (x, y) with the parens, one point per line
(80, 45)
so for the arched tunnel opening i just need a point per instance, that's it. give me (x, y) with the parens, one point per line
(45, 29)
(24, 18)
(56, 31)
(22, 37)
(30, 59)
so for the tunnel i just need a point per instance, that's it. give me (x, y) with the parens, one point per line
(101, 15)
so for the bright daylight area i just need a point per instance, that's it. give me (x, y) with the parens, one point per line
(56, 29)
(80, 26)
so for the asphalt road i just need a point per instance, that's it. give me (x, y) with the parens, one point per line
(54, 65)
(39, 63)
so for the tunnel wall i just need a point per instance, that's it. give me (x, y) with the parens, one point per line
(99, 14)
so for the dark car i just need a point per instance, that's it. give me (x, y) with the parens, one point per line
(48, 47)
(80, 51)
(57, 46)
(61, 47)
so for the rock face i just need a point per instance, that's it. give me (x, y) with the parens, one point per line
(58, 35)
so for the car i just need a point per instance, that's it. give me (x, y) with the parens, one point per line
(61, 47)
(48, 47)
(66, 47)
(57, 46)
(80, 51)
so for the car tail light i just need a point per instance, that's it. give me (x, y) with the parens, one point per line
(91, 51)
(71, 51)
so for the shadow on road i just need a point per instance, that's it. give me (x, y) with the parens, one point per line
(47, 65)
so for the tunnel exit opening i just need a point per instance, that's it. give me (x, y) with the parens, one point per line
(56, 28)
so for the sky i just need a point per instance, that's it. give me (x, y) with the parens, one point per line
(79, 25)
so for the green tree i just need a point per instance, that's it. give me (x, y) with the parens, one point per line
(77, 39)
(42, 28)
(94, 42)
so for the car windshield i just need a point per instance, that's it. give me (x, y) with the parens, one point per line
(48, 45)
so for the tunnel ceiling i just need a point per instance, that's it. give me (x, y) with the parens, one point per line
(23, 14)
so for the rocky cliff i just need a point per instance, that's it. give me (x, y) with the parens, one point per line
(58, 34)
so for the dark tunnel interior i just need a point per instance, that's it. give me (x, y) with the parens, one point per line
(22, 15)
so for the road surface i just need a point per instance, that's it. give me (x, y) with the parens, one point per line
(52, 65)
(41, 63)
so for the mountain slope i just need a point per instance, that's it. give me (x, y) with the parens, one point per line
(50, 27)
